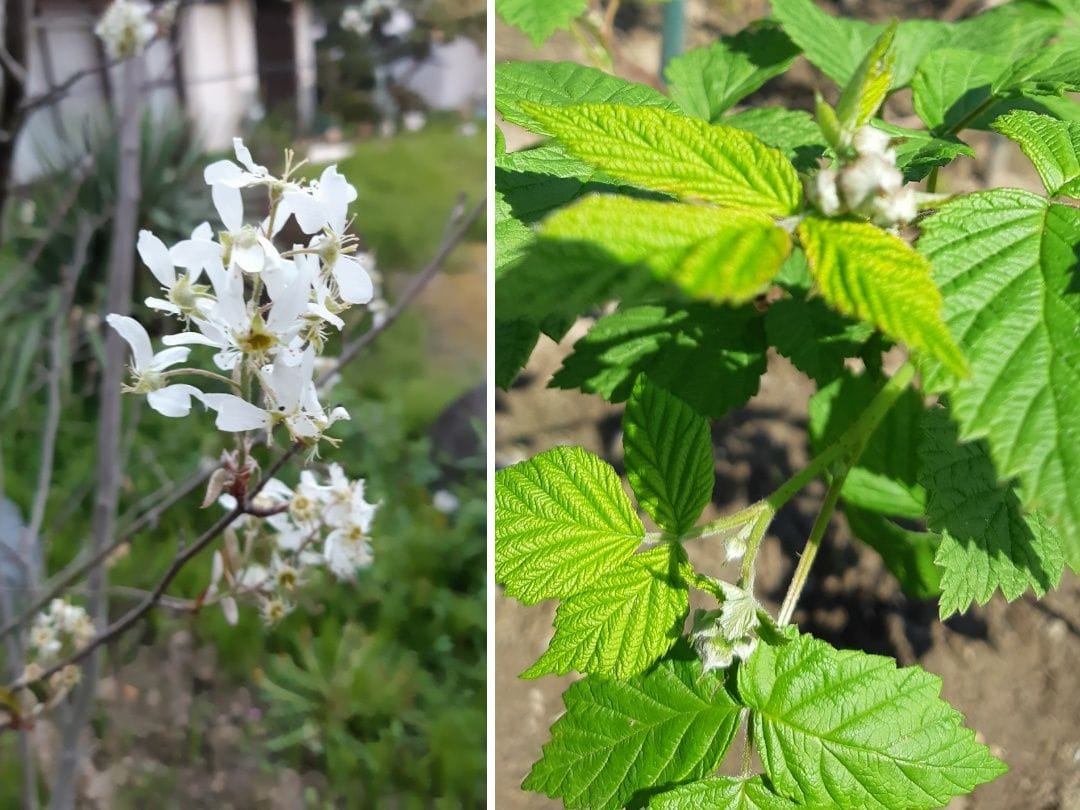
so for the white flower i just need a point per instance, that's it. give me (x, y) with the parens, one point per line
(824, 193)
(347, 548)
(126, 28)
(182, 295)
(901, 206)
(871, 141)
(147, 367)
(865, 178)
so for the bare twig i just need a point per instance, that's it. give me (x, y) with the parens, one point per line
(456, 228)
(69, 278)
(118, 300)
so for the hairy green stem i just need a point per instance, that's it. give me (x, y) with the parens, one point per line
(813, 543)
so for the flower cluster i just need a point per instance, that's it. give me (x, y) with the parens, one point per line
(126, 28)
(315, 525)
(360, 19)
(869, 185)
(57, 632)
(721, 636)
(266, 313)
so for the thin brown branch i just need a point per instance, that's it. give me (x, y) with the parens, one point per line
(456, 228)
(77, 569)
(181, 559)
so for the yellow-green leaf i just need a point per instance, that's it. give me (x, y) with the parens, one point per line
(719, 254)
(875, 276)
(686, 157)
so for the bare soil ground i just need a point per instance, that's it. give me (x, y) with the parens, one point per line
(1012, 669)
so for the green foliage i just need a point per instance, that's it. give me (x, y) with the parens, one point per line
(564, 521)
(622, 622)
(722, 793)
(666, 152)
(707, 81)
(669, 461)
(987, 542)
(710, 357)
(1052, 146)
(843, 726)
(1005, 261)
(683, 231)
(615, 738)
(867, 273)
(540, 20)
(712, 253)
(564, 84)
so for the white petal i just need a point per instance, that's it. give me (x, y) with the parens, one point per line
(229, 205)
(132, 331)
(287, 384)
(250, 259)
(310, 216)
(328, 316)
(162, 305)
(236, 414)
(244, 156)
(335, 193)
(195, 253)
(228, 607)
(223, 171)
(353, 282)
(173, 400)
(156, 256)
(192, 338)
(203, 232)
(291, 303)
(170, 357)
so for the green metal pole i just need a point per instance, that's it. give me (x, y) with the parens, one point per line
(674, 36)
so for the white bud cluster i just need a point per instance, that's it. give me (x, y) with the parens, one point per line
(265, 313)
(56, 633)
(869, 186)
(126, 28)
(722, 636)
(316, 525)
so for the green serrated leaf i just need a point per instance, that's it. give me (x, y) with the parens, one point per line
(813, 337)
(540, 20)
(952, 86)
(868, 86)
(722, 793)
(669, 459)
(668, 152)
(712, 253)
(1008, 31)
(1006, 263)
(909, 555)
(844, 728)
(706, 81)
(564, 84)
(917, 151)
(1052, 146)
(1051, 70)
(514, 342)
(556, 279)
(624, 621)
(837, 45)
(619, 737)
(562, 520)
(987, 542)
(711, 357)
(885, 479)
(875, 276)
(512, 236)
(793, 132)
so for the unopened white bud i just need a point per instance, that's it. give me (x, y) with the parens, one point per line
(825, 194)
(871, 141)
